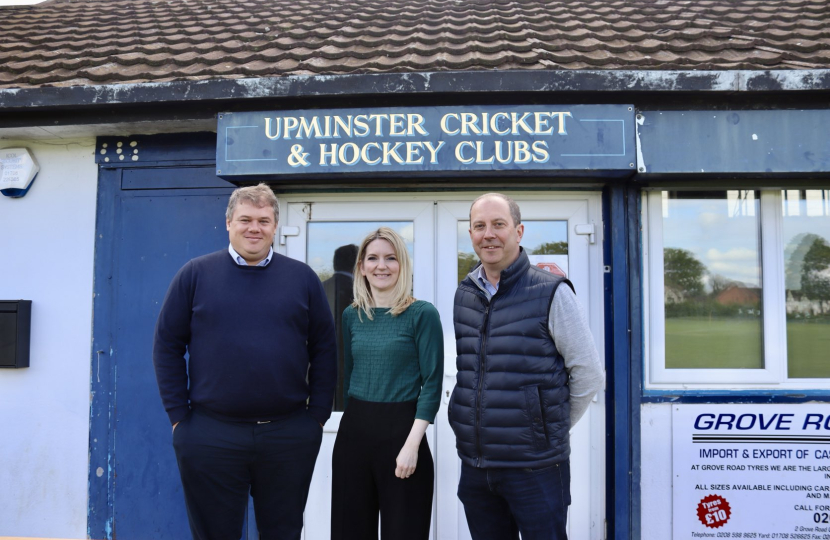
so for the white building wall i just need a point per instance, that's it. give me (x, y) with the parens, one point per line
(46, 249)
(656, 471)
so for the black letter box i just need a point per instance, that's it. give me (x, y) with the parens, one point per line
(15, 328)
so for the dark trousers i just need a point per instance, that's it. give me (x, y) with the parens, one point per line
(500, 503)
(363, 475)
(220, 462)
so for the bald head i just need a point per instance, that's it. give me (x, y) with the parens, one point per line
(515, 213)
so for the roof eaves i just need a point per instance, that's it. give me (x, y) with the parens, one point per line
(443, 82)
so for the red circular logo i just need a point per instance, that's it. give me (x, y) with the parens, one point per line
(713, 511)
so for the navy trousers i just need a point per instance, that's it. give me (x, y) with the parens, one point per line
(500, 503)
(220, 462)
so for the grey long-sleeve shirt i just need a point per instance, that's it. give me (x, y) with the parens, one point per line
(568, 327)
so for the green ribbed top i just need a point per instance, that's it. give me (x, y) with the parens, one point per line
(393, 359)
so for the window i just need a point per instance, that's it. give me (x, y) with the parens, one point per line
(807, 282)
(738, 288)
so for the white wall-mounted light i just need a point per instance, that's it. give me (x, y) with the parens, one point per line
(18, 169)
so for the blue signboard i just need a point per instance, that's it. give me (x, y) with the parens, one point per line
(426, 140)
(735, 142)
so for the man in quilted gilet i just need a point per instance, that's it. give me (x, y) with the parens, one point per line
(527, 371)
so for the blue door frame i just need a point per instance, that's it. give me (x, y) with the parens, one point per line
(624, 360)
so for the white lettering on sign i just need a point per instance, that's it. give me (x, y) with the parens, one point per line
(502, 123)
(372, 153)
(336, 127)
(418, 152)
(468, 152)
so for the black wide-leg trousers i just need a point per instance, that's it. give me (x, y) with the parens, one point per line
(364, 484)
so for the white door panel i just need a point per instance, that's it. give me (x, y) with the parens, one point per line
(586, 516)
(349, 223)
(434, 222)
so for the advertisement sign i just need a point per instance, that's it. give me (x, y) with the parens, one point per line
(751, 471)
(426, 139)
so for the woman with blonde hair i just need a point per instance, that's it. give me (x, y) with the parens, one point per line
(393, 354)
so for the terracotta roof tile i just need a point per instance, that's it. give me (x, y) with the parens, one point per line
(76, 42)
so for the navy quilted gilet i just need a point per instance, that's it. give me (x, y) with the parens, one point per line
(510, 404)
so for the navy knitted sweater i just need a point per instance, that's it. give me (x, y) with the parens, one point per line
(261, 340)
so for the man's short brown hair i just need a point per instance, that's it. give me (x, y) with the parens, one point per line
(259, 195)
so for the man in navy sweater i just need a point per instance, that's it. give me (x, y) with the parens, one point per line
(248, 407)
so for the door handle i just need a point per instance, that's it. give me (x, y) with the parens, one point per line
(287, 231)
(587, 229)
(449, 385)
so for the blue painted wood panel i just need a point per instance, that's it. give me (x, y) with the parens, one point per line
(737, 142)
(144, 237)
(619, 379)
(143, 149)
(159, 234)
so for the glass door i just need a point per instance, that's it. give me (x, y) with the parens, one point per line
(435, 229)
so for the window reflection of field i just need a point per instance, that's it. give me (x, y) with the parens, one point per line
(713, 343)
(703, 343)
(808, 348)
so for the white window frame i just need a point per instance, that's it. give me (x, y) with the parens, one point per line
(774, 373)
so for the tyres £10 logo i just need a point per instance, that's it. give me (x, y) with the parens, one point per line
(713, 511)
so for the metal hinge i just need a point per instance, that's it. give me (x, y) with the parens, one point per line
(287, 231)
(587, 229)
(307, 210)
